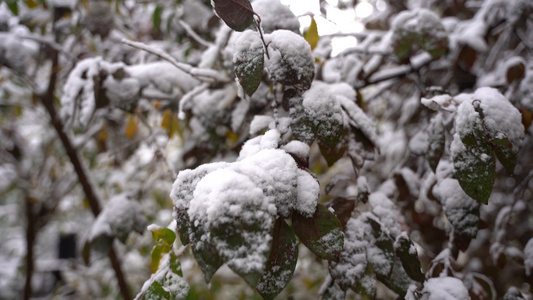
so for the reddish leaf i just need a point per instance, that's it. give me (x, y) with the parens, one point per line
(237, 14)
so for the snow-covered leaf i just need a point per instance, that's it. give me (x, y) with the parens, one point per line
(505, 153)
(436, 142)
(119, 217)
(406, 252)
(301, 124)
(333, 292)
(475, 166)
(352, 263)
(461, 210)
(249, 61)
(281, 262)
(486, 121)
(291, 62)
(321, 233)
(204, 252)
(381, 255)
(398, 280)
(422, 28)
(325, 113)
(237, 218)
(167, 282)
(237, 14)
(367, 284)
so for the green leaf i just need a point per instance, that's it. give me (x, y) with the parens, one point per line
(333, 154)
(398, 280)
(436, 142)
(183, 225)
(164, 235)
(422, 29)
(175, 265)
(237, 14)
(249, 61)
(156, 292)
(311, 34)
(505, 152)
(475, 166)
(322, 233)
(157, 252)
(205, 253)
(281, 262)
(235, 236)
(13, 6)
(168, 282)
(164, 239)
(406, 252)
(156, 18)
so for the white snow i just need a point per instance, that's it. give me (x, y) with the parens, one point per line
(275, 15)
(386, 211)
(261, 122)
(500, 118)
(445, 288)
(80, 84)
(440, 103)
(290, 57)
(118, 218)
(297, 148)
(353, 260)
(308, 193)
(528, 257)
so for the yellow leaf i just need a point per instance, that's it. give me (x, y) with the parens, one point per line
(166, 122)
(31, 4)
(311, 34)
(157, 104)
(132, 126)
(102, 135)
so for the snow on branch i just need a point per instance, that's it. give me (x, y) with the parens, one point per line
(205, 75)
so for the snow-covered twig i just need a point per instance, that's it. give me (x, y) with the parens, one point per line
(187, 97)
(193, 34)
(50, 43)
(205, 75)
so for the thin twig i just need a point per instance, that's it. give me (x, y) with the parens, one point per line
(51, 44)
(193, 34)
(205, 75)
(257, 22)
(188, 97)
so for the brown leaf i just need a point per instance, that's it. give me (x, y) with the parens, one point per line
(237, 14)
